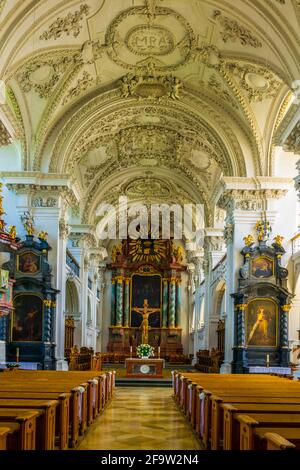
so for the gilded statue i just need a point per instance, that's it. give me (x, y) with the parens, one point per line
(249, 240)
(145, 312)
(43, 235)
(12, 231)
(278, 240)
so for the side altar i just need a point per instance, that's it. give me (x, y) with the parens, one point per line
(262, 303)
(146, 271)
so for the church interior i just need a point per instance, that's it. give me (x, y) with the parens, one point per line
(111, 112)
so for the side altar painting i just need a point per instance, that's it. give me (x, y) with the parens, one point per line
(146, 296)
(262, 304)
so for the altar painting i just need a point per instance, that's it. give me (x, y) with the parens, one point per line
(261, 323)
(146, 287)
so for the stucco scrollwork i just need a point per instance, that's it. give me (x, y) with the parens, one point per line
(44, 202)
(233, 31)
(42, 73)
(70, 24)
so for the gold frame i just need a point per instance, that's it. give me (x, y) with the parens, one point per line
(269, 259)
(18, 263)
(12, 322)
(246, 322)
(161, 293)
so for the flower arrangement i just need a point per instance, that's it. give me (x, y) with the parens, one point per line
(12, 366)
(145, 350)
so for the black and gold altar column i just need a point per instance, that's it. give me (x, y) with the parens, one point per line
(113, 301)
(284, 333)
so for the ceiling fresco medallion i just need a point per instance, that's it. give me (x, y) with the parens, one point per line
(136, 39)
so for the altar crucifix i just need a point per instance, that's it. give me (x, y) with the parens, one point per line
(145, 312)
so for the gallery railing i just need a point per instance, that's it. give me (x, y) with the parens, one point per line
(73, 264)
(295, 243)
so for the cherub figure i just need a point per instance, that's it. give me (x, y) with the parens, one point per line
(278, 240)
(249, 240)
(12, 231)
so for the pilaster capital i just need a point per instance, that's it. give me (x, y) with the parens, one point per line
(82, 236)
(250, 194)
(42, 189)
(214, 239)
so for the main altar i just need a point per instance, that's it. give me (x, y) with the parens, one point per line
(146, 271)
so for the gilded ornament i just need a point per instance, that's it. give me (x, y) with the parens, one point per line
(43, 235)
(278, 240)
(12, 232)
(249, 240)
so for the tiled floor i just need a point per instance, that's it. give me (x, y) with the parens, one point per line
(140, 418)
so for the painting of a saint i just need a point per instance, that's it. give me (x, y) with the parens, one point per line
(29, 263)
(261, 323)
(262, 267)
(27, 318)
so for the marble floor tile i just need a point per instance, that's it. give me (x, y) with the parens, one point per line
(140, 419)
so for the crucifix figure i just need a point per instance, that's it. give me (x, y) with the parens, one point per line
(145, 311)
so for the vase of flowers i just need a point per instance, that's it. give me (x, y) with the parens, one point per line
(144, 351)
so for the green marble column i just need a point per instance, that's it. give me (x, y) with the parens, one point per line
(126, 302)
(113, 302)
(172, 302)
(178, 303)
(165, 303)
(119, 301)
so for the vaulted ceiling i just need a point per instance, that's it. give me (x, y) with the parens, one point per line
(153, 99)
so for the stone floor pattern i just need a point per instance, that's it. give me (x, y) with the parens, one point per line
(140, 419)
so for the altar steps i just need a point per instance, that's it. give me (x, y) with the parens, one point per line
(123, 382)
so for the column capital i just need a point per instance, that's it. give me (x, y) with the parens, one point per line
(82, 236)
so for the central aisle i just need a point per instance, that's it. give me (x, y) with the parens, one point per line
(140, 419)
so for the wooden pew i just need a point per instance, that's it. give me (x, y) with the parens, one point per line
(62, 415)
(248, 425)
(77, 401)
(4, 431)
(45, 423)
(26, 419)
(240, 403)
(250, 385)
(97, 390)
(278, 439)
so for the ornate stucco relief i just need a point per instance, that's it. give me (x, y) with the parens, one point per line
(233, 31)
(70, 24)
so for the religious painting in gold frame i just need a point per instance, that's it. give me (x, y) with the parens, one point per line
(27, 318)
(262, 267)
(28, 263)
(145, 286)
(262, 323)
